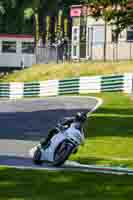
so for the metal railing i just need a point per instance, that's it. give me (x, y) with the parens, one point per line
(48, 54)
(99, 51)
(95, 51)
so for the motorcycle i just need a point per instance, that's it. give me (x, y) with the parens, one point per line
(66, 141)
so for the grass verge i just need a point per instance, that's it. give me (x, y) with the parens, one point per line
(42, 185)
(68, 70)
(109, 133)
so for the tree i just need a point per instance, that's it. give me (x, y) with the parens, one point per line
(5, 7)
(9, 9)
(116, 12)
(122, 18)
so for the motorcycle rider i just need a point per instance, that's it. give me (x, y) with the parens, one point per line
(79, 119)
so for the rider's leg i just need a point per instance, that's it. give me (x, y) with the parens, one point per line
(45, 141)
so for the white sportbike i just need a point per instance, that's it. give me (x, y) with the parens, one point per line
(69, 137)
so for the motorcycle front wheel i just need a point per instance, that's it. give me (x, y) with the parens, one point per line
(62, 152)
(37, 157)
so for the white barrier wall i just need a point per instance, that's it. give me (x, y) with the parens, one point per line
(90, 84)
(80, 85)
(16, 90)
(49, 88)
(128, 83)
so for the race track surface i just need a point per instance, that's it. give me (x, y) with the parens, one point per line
(24, 122)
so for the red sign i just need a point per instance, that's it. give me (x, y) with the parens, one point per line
(75, 12)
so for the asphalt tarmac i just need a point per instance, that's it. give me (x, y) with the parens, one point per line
(24, 122)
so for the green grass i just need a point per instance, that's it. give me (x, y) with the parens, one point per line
(109, 133)
(68, 70)
(42, 185)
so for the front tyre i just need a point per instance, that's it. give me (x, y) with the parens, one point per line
(62, 152)
(37, 157)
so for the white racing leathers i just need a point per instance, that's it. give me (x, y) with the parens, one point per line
(71, 132)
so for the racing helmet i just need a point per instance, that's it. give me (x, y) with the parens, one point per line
(81, 117)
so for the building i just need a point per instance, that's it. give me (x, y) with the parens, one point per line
(16, 51)
(93, 39)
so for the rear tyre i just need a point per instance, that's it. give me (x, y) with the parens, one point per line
(37, 157)
(62, 152)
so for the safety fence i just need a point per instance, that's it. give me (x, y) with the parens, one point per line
(81, 85)
(101, 51)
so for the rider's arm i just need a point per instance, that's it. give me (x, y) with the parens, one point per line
(68, 121)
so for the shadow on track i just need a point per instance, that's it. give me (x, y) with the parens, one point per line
(26, 162)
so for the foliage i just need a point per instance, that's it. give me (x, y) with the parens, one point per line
(116, 12)
(113, 11)
(9, 22)
(28, 13)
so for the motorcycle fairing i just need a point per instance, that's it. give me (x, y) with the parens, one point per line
(48, 154)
